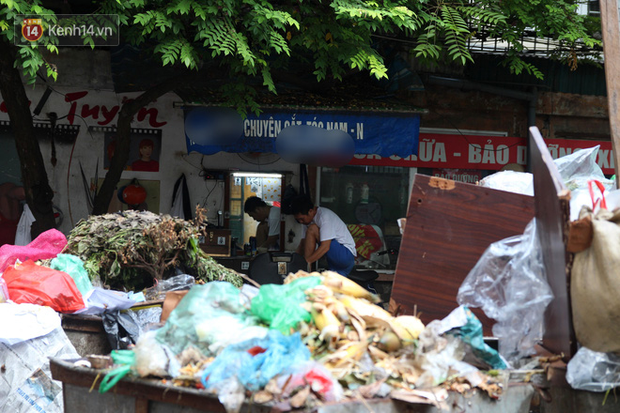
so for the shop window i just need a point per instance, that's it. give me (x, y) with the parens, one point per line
(370, 200)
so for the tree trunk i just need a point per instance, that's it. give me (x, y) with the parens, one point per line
(123, 137)
(39, 194)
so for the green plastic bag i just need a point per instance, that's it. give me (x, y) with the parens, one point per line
(73, 266)
(126, 359)
(208, 314)
(280, 305)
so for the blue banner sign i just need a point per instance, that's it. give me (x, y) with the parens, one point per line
(372, 133)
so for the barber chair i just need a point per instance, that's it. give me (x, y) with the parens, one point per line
(273, 267)
(364, 278)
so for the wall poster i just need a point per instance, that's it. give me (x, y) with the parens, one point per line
(144, 151)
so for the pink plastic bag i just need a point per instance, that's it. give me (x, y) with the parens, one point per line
(47, 245)
(35, 284)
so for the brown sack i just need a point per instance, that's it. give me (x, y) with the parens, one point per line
(173, 298)
(595, 285)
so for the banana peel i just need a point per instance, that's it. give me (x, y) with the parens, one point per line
(323, 317)
(407, 327)
(343, 285)
(350, 352)
(372, 314)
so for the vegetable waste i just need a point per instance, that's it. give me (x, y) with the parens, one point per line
(131, 249)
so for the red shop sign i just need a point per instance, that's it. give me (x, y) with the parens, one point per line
(483, 152)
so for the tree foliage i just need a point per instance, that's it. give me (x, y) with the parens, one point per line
(252, 37)
(250, 40)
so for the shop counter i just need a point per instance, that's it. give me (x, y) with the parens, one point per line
(240, 263)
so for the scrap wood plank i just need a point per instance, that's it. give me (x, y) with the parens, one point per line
(611, 50)
(552, 205)
(449, 225)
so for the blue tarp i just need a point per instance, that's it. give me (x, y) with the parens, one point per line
(373, 133)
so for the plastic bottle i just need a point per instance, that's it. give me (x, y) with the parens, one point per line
(253, 246)
(365, 193)
(349, 192)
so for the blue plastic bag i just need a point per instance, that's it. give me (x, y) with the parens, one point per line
(471, 333)
(254, 362)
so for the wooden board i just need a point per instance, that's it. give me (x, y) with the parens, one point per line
(611, 49)
(449, 225)
(552, 205)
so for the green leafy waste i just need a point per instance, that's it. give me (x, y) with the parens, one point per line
(129, 250)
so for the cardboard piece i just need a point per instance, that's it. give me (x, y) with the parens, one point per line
(173, 298)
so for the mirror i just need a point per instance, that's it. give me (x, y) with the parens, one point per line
(243, 185)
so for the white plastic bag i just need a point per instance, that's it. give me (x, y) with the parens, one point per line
(593, 371)
(99, 300)
(511, 181)
(509, 284)
(21, 322)
(576, 170)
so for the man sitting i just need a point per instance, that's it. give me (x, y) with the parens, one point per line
(324, 234)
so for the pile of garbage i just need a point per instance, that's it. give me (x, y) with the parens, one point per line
(319, 337)
(52, 276)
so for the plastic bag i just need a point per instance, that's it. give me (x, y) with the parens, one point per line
(35, 284)
(99, 300)
(314, 374)
(442, 361)
(154, 358)
(204, 304)
(280, 305)
(576, 170)
(4, 291)
(594, 285)
(122, 329)
(593, 371)
(21, 322)
(178, 282)
(509, 283)
(255, 362)
(47, 245)
(125, 359)
(73, 266)
(471, 333)
(225, 329)
(511, 181)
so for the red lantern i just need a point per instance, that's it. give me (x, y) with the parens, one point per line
(134, 194)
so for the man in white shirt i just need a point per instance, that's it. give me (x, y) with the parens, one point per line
(324, 234)
(268, 230)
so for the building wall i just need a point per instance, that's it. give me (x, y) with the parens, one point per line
(84, 96)
(558, 115)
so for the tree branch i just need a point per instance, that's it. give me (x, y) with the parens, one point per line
(123, 135)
